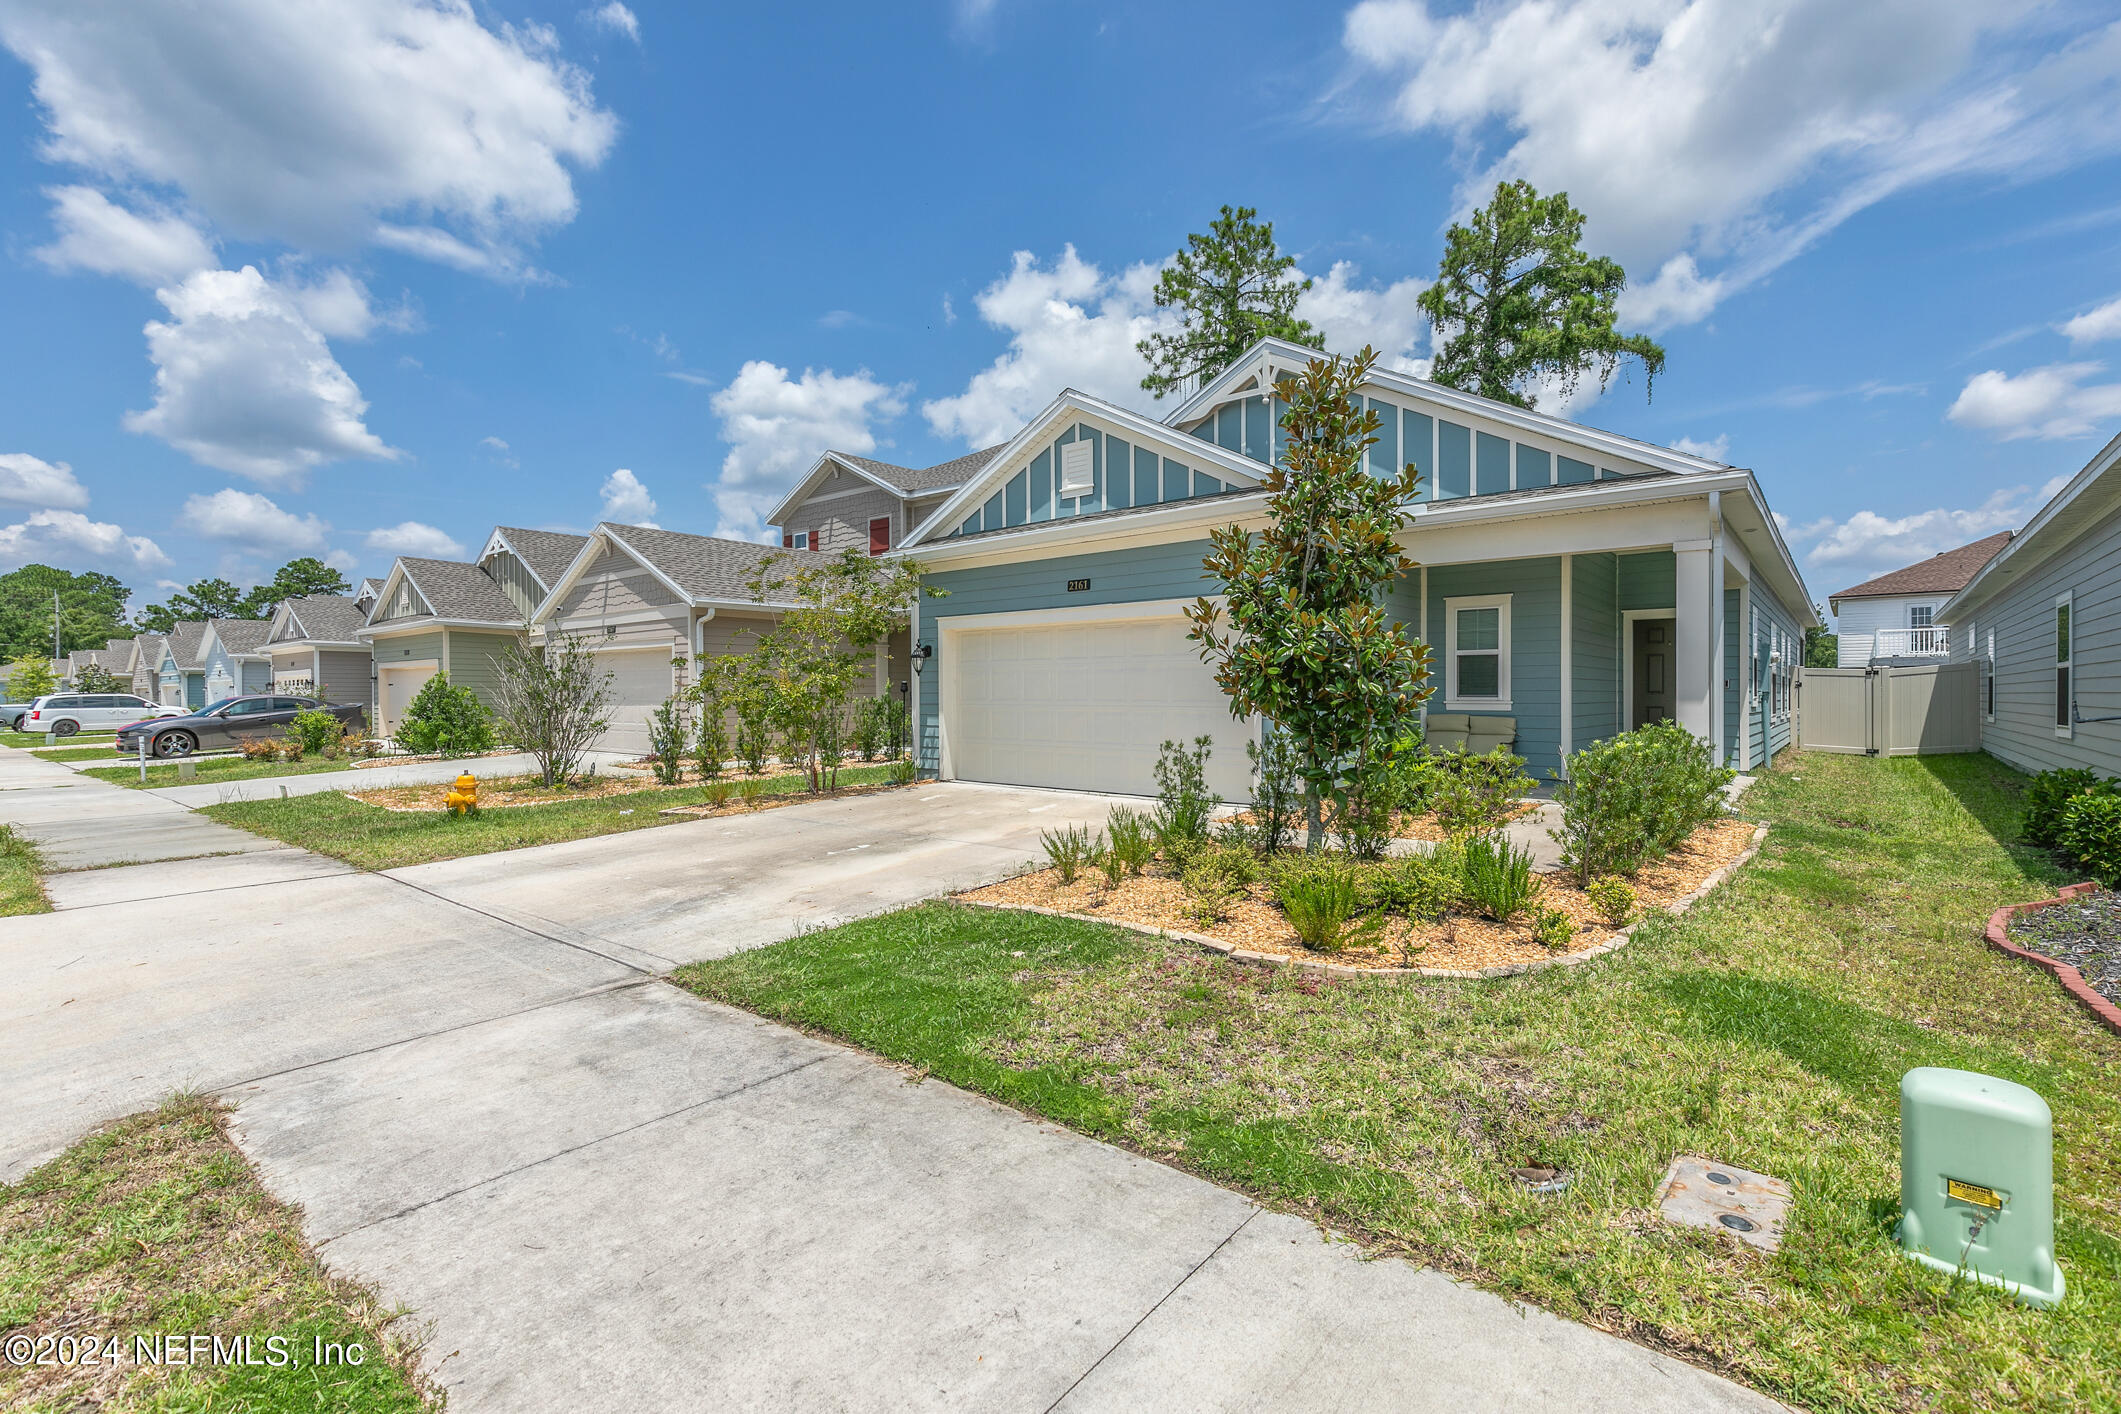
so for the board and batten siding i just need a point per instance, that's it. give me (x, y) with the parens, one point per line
(2023, 620)
(1133, 575)
(1124, 476)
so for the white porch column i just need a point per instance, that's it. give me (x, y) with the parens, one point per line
(1697, 674)
(1568, 655)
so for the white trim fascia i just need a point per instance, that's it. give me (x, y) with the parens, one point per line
(1168, 521)
(1504, 652)
(1568, 654)
(1973, 591)
(1129, 426)
(499, 539)
(392, 628)
(802, 488)
(1472, 404)
(397, 572)
(604, 532)
(1066, 614)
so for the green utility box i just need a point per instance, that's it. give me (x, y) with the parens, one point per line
(1977, 1181)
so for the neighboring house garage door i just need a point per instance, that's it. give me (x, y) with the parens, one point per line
(640, 681)
(396, 686)
(1083, 706)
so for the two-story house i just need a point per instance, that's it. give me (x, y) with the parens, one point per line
(1896, 618)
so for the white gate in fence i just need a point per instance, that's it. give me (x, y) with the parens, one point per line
(1918, 711)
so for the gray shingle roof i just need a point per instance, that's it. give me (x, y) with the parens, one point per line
(185, 641)
(701, 565)
(547, 552)
(920, 480)
(326, 618)
(456, 590)
(150, 645)
(241, 635)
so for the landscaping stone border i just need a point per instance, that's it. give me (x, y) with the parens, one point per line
(1998, 937)
(1303, 964)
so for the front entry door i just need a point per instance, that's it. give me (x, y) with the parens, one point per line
(1652, 671)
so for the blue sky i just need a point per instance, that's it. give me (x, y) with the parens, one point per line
(369, 278)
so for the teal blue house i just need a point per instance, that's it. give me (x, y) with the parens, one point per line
(181, 675)
(1572, 583)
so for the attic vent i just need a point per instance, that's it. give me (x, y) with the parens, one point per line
(1078, 468)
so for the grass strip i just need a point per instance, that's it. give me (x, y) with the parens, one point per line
(1766, 1028)
(158, 1226)
(208, 769)
(370, 837)
(21, 876)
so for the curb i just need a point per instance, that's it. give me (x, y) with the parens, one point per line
(1997, 936)
(1334, 969)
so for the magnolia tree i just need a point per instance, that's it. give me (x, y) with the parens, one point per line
(1301, 637)
(553, 701)
(803, 671)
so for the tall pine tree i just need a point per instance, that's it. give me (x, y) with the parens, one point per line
(1232, 287)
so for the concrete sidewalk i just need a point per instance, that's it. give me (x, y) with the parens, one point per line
(602, 1193)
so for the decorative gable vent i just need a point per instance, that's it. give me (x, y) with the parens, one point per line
(1078, 468)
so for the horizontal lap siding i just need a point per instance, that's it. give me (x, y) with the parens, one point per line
(2022, 618)
(346, 677)
(1649, 580)
(843, 521)
(408, 648)
(1774, 615)
(1136, 575)
(1534, 587)
(473, 662)
(1595, 665)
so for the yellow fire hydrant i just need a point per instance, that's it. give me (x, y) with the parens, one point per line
(463, 797)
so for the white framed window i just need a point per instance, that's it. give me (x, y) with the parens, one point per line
(2064, 693)
(1477, 653)
(1988, 677)
(1078, 468)
(1920, 615)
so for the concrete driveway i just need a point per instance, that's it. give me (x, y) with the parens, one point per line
(604, 1194)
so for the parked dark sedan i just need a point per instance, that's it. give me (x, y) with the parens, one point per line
(227, 723)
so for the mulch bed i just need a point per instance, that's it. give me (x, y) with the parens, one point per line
(2083, 932)
(515, 792)
(1418, 827)
(1459, 941)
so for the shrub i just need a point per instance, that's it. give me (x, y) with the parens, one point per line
(710, 739)
(1634, 797)
(754, 734)
(554, 701)
(1212, 877)
(666, 742)
(1474, 794)
(1111, 866)
(1498, 877)
(1277, 790)
(316, 731)
(1132, 840)
(1067, 851)
(872, 726)
(1323, 904)
(720, 792)
(259, 749)
(1614, 898)
(1552, 929)
(2048, 795)
(1419, 886)
(1183, 805)
(752, 792)
(904, 772)
(2091, 834)
(1366, 810)
(445, 718)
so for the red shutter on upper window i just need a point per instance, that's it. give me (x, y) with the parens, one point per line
(787, 542)
(879, 535)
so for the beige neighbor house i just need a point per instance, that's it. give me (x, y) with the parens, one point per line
(1899, 617)
(313, 644)
(845, 500)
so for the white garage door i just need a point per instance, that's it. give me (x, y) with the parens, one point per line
(396, 686)
(1084, 706)
(641, 679)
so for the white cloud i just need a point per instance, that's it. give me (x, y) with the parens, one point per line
(1070, 326)
(1868, 544)
(69, 539)
(1714, 140)
(97, 234)
(626, 500)
(410, 537)
(31, 481)
(1387, 319)
(249, 519)
(614, 18)
(776, 426)
(2096, 325)
(2055, 401)
(322, 125)
(243, 382)
(1717, 449)
(337, 306)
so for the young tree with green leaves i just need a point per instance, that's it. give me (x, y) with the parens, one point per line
(1822, 646)
(804, 669)
(216, 598)
(97, 678)
(1233, 287)
(1302, 638)
(1519, 302)
(30, 677)
(553, 700)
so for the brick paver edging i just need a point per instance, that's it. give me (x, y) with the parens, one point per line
(1336, 969)
(2072, 980)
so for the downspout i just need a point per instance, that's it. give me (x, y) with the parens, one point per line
(1716, 657)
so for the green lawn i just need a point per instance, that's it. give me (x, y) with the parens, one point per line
(159, 1226)
(1767, 1028)
(21, 889)
(93, 751)
(36, 739)
(371, 837)
(211, 768)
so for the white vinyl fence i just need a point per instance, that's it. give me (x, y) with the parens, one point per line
(1918, 711)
